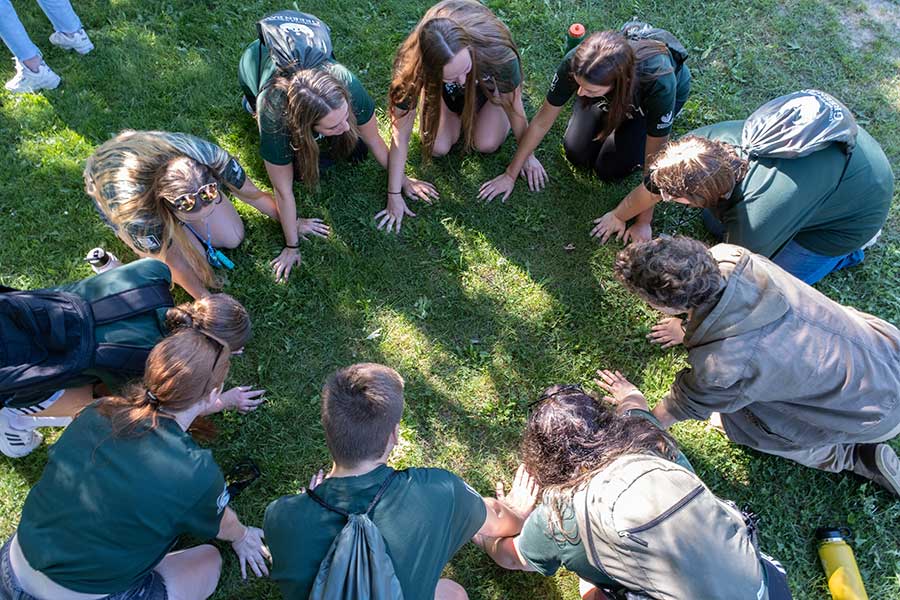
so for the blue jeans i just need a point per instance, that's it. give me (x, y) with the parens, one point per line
(809, 267)
(13, 34)
(805, 265)
(151, 588)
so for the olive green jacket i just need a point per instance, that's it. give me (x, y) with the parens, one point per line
(786, 367)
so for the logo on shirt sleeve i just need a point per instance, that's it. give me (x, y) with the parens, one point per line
(665, 121)
(223, 500)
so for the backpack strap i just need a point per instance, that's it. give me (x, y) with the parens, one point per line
(384, 486)
(131, 302)
(121, 358)
(587, 533)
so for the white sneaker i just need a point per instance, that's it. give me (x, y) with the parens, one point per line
(78, 41)
(15, 442)
(26, 80)
(871, 242)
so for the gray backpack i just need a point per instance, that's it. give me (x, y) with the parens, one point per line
(295, 39)
(798, 124)
(357, 564)
(656, 529)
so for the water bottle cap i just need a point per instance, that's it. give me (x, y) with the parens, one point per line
(576, 30)
(833, 533)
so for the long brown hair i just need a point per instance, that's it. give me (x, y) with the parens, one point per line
(447, 28)
(609, 58)
(570, 436)
(181, 371)
(702, 170)
(141, 168)
(219, 315)
(310, 94)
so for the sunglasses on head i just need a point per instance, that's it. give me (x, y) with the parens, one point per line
(204, 196)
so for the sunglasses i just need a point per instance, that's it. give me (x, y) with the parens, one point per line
(204, 196)
(562, 390)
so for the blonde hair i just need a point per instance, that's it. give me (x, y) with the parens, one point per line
(310, 95)
(130, 175)
(447, 28)
(702, 170)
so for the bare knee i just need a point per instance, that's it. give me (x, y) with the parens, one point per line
(234, 237)
(447, 589)
(213, 558)
(488, 144)
(441, 147)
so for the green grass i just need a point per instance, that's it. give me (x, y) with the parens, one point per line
(479, 307)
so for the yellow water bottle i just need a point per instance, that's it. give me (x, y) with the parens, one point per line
(844, 580)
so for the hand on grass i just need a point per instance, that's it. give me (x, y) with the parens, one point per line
(315, 227)
(622, 393)
(314, 481)
(418, 189)
(668, 332)
(391, 218)
(522, 495)
(251, 550)
(534, 173)
(284, 263)
(502, 185)
(639, 232)
(242, 398)
(607, 226)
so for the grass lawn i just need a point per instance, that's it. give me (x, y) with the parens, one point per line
(478, 306)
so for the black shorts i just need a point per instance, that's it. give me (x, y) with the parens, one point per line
(454, 96)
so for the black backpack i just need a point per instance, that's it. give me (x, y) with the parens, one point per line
(295, 39)
(48, 337)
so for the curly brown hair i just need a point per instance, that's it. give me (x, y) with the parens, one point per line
(672, 272)
(702, 170)
(571, 436)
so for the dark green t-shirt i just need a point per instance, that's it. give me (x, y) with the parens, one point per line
(656, 100)
(107, 510)
(256, 69)
(425, 516)
(784, 199)
(548, 550)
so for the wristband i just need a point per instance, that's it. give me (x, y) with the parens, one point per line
(295, 247)
(394, 193)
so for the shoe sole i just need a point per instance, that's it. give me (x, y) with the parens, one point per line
(889, 466)
(11, 446)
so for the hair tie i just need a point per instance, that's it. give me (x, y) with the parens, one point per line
(152, 398)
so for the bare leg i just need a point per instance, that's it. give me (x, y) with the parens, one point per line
(447, 589)
(225, 226)
(449, 130)
(191, 574)
(68, 405)
(588, 591)
(491, 128)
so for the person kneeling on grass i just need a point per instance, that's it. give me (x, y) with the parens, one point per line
(791, 372)
(162, 193)
(43, 384)
(596, 465)
(124, 482)
(423, 515)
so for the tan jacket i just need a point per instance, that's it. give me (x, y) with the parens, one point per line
(787, 367)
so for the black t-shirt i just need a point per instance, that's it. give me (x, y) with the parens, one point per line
(656, 99)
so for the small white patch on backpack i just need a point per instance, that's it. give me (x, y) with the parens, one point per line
(665, 121)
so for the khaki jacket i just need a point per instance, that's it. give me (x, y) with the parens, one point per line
(786, 367)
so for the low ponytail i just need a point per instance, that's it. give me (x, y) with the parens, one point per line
(181, 371)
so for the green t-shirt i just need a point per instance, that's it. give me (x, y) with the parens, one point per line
(106, 510)
(425, 516)
(145, 230)
(655, 100)
(548, 550)
(784, 199)
(256, 69)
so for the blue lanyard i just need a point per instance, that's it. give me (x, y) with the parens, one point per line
(215, 257)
